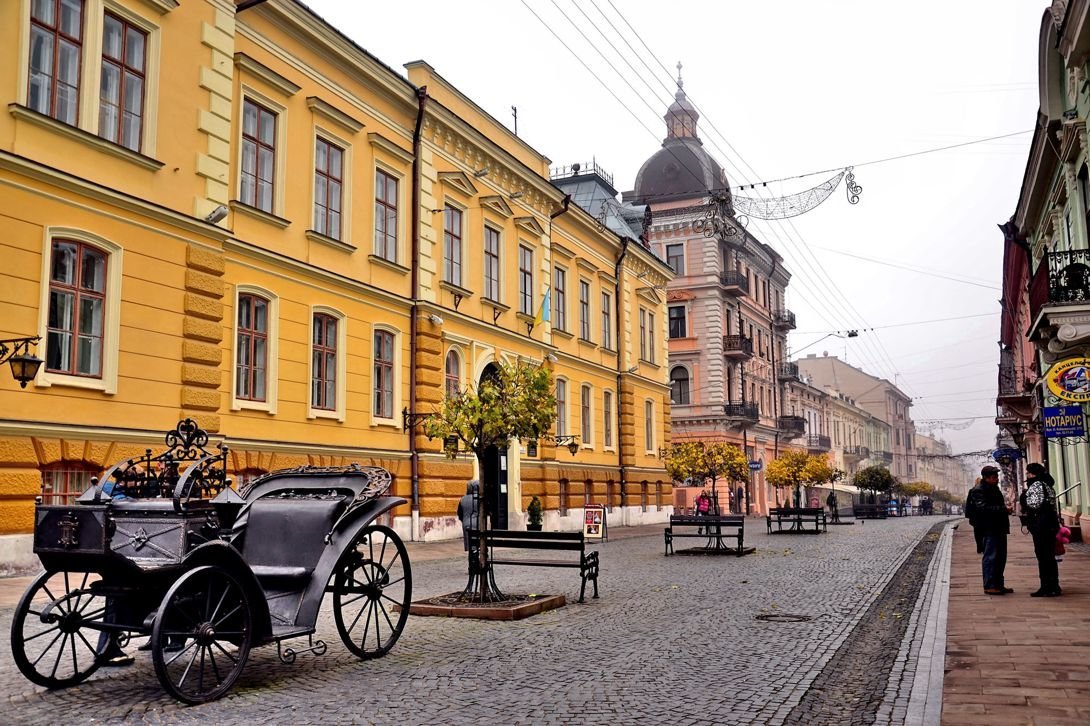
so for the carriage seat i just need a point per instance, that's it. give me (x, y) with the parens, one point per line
(285, 537)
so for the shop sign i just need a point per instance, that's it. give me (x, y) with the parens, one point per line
(1070, 379)
(594, 521)
(1063, 421)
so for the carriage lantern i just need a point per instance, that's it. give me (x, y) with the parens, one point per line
(24, 364)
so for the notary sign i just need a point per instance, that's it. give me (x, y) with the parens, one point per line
(1062, 421)
(1070, 379)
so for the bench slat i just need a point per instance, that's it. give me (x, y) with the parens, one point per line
(514, 544)
(538, 563)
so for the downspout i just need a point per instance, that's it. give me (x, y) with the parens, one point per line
(625, 241)
(776, 400)
(414, 285)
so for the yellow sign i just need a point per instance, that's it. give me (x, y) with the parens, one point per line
(1070, 379)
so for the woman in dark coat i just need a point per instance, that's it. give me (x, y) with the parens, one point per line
(1038, 503)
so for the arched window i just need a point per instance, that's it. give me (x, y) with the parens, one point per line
(384, 374)
(77, 309)
(453, 374)
(679, 386)
(253, 353)
(323, 374)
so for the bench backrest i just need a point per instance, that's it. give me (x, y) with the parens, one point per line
(730, 520)
(517, 539)
(796, 511)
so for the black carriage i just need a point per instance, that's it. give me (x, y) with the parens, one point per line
(164, 547)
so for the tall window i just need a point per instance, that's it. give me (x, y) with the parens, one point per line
(385, 216)
(328, 178)
(453, 374)
(677, 321)
(643, 334)
(560, 303)
(452, 245)
(526, 280)
(607, 418)
(675, 258)
(121, 108)
(253, 347)
(650, 337)
(584, 310)
(56, 44)
(323, 364)
(77, 302)
(679, 386)
(491, 264)
(258, 156)
(649, 425)
(584, 414)
(384, 374)
(561, 407)
(607, 321)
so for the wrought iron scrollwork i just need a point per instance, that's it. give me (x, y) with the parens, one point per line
(717, 219)
(852, 189)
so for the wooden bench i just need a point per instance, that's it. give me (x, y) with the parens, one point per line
(709, 527)
(870, 511)
(558, 542)
(797, 518)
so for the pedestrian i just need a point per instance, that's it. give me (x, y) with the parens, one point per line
(830, 502)
(989, 514)
(978, 532)
(468, 510)
(703, 507)
(1038, 511)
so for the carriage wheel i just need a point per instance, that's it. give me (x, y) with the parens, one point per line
(371, 589)
(202, 635)
(53, 640)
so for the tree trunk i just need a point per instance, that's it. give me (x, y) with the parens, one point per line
(482, 526)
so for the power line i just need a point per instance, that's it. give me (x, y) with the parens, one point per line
(901, 325)
(917, 270)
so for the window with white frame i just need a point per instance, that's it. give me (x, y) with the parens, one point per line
(643, 334)
(607, 419)
(121, 96)
(491, 264)
(252, 354)
(679, 386)
(584, 310)
(650, 337)
(649, 425)
(77, 309)
(560, 302)
(607, 321)
(677, 321)
(453, 373)
(386, 215)
(675, 258)
(323, 366)
(452, 245)
(561, 407)
(258, 173)
(526, 280)
(383, 383)
(328, 187)
(56, 50)
(585, 414)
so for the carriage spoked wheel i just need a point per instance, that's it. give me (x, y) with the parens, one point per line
(372, 584)
(202, 635)
(53, 638)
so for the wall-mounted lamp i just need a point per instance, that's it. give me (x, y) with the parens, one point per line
(435, 319)
(24, 364)
(662, 452)
(481, 172)
(216, 215)
(516, 195)
(551, 358)
(571, 442)
(633, 369)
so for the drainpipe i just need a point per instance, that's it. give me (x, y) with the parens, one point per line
(414, 267)
(776, 400)
(620, 368)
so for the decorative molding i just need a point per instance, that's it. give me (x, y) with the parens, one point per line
(382, 261)
(586, 264)
(161, 6)
(497, 204)
(335, 115)
(381, 142)
(531, 225)
(23, 113)
(237, 206)
(329, 241)
(266, 74)
(458, 181)
(558, 249)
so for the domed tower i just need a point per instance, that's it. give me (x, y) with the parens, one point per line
(681, 170)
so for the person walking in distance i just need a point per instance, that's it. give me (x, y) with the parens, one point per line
(989, 514)
(1038, 511)
(467, 510)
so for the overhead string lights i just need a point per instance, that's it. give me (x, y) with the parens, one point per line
(795, 204)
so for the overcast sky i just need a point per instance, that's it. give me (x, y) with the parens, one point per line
(786, 88)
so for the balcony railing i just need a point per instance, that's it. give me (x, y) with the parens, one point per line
(1012, 380)
(1062, 278)
(792, 425)
(746, 411)
(737, 346)
(784, 319)
(861, 452)
(735, 282)
(818, 443)
(886, 457)
(789, 371)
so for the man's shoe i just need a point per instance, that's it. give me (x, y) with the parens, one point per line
(1008, 590)
(119, 660)
(1041, 593)
(995, 591)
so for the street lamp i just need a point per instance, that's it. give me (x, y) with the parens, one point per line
(571, 442)
(24, 364)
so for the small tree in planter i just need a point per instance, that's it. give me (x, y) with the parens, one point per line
(788, 471)
(875, 479)
(516, 402)
(533, 512)
(697, 461)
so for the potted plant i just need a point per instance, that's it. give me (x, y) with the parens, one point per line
(533, 511)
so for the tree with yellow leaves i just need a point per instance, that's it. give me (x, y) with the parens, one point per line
(697, 461)
(789, 470)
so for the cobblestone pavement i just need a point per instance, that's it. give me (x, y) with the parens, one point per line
(671, 640)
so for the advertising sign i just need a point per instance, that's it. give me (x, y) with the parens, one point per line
(754, 466)
(1070, 380)
(1062, 421)
(594, 521)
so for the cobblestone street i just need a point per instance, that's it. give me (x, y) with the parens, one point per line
(671, 640)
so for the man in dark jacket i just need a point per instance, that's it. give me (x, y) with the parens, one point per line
(1038, 504)
(467, 510)
(989, 514)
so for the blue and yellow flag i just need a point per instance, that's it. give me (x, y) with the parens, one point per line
(544, 313)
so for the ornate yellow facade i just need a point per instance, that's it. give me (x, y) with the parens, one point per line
(244, 218)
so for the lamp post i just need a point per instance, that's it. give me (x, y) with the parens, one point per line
(24, 364)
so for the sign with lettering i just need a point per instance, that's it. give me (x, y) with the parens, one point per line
(1070, 379)
(754, 466)
(1062, 421)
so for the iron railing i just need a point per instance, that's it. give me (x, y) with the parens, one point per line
(747, 411)
(1012, 379)
(1061, 278)
(737, 344)
(783, 319)
(817, 442)
(860, 451)
(789, 371)
(886, 457)
(735, 280)
(792, 425)
(562, 172)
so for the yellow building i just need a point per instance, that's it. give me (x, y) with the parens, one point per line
(242, 217)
